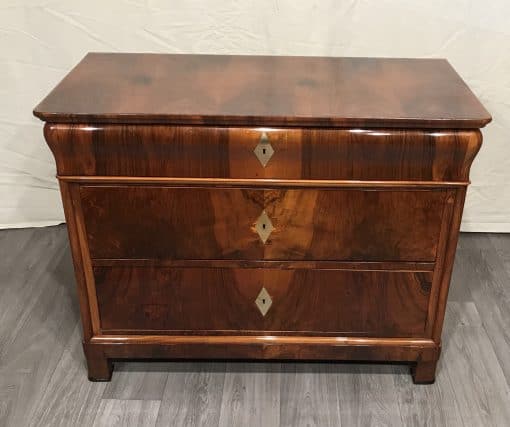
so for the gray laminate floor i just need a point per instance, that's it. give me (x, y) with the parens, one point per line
(43, 380)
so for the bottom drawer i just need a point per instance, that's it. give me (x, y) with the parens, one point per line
(223, 300)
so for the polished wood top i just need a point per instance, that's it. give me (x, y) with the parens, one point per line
(263, 91)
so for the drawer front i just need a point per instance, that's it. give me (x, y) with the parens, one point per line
(211, 152)
(145, 222)
(197, 300)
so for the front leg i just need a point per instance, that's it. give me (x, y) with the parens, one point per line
(99, 367)
(424, 372)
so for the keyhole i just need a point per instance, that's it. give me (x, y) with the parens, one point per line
(264, 226)
(264, 301)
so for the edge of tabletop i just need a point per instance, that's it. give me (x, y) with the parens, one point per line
(255, 121)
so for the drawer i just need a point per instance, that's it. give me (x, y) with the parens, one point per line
(197, 300)
(214, 152)
(147, 222)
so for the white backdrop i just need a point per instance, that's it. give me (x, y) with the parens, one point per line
(40, 40)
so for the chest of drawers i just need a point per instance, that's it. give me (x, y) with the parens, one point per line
(262, 207)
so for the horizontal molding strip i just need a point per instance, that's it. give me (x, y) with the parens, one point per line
(261, 339)
(394, 266)
(298, 183)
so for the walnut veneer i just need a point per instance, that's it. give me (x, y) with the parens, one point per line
(262, 207)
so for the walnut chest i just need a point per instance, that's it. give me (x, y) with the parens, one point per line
(262, 207)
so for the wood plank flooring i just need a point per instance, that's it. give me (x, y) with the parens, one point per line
(43, 380)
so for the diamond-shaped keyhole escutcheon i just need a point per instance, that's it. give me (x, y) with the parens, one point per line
(264, 227)
(263, 301)
(264, 150)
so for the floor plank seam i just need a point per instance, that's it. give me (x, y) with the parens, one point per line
(55, 391)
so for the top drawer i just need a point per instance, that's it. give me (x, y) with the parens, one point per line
(244, 153)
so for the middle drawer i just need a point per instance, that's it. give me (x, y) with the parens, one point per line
(161, 222)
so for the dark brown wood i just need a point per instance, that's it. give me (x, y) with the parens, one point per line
(262, 183)
(265, 347)
(99, 366)
(162, 191)
(424, 372)
(309, 225)
(86, 263)
(344, 303)
(445, 262)
(77, 254)
(302, 154)
(436, 299)
(282, 265)
(264, 91)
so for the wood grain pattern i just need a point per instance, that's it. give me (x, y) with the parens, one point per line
(363, 198)
(54, 390)
(308, 225)
(263, 183)
(264, 91)
(77, 256)
(282, 265)
(68, 398)
(81, 251)
(484, 264)
(436, 403)
(193, 395)
(300, 406)
(304, 154)
(472, 364)
(265, 347)
(373, 389)
(251, 403)
(500, 244)
(35, 279)
(305, 301)
(136, 381)
(445, 263)
(127, 413)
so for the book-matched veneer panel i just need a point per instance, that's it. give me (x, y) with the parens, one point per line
(306, 301)
(217, 152)
(160, 222)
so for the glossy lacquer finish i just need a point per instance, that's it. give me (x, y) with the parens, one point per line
(338, 246)
(311, 224)
(212, 152)
(264, 91)
(303, 301)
